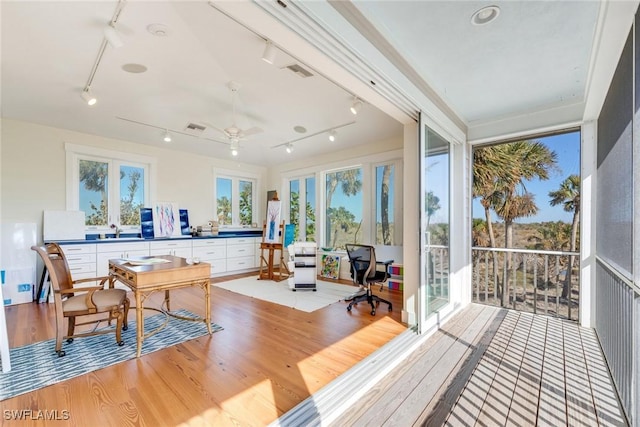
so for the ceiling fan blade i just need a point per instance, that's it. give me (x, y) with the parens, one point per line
(222, 131)
(252, 131)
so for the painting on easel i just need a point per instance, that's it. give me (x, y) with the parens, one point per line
(272, 229)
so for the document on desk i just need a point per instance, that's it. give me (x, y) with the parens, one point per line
(147, 261)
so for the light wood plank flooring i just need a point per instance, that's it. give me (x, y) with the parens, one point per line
(267, 359)
(495, 367)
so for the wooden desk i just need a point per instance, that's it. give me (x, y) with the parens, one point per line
(144, 280)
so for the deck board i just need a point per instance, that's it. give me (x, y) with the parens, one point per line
(498, 367)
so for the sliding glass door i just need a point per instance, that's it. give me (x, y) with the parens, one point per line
(435, 218)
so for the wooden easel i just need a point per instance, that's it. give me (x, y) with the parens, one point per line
(267, 267)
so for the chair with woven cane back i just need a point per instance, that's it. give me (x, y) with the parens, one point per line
(71, 301)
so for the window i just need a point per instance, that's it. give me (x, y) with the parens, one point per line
(343, 212)
(384, 203)
(304, 220)
(235, 199)
(109, 187)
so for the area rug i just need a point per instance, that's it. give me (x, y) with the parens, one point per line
(37, 365)
(280, 292)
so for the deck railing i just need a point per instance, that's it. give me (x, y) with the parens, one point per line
(542, 282)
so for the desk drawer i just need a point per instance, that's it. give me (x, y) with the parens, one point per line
(79, 258)
(78, 249)
(210, 253)
(240, 263)
(209, 242)
(241, 250)
(240, 241)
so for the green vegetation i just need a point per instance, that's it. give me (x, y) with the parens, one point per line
(499, 173)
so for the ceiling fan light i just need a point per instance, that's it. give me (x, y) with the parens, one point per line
(234, 152)
(269, 54)
(332, 135)
(356, 106)
(112, 36)
(88, 97)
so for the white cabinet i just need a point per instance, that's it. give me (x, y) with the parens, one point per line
(181, 248)
(241, 253)
(213, 251)
(82, 261)
(109, 251)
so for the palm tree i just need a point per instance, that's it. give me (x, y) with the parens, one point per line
(384, 205)
(432, 204)
(351, 185)
(491, 170)
(531, 159)
(569, 196)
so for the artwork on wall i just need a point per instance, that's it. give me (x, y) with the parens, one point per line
(272, 229)
(330, 266)
(166, 220)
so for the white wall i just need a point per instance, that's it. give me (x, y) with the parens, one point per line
(33, 172)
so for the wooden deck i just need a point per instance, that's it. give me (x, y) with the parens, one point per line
(493, 367)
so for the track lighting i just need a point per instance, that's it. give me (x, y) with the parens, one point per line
(289, 148)
(167, 136)
(332, 135)
(234, 148)
(112, 36)
(269, 54)
(88, 97)
(356, 106)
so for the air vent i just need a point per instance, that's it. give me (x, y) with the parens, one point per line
(302, 72)
(194, 129)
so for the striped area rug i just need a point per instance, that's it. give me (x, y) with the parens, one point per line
(37, 365)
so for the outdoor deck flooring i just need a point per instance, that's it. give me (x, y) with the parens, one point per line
(490, 366)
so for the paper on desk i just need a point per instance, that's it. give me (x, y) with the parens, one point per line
(148, 261)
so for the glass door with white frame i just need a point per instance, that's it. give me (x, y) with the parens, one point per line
(435, 218)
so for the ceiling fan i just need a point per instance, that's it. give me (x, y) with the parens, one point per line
(233, 133)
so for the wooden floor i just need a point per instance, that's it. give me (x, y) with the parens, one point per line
(267, 359)
(496, 367)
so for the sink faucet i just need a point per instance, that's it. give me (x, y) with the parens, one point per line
(118, 230)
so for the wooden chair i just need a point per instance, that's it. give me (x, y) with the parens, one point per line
(73, 302)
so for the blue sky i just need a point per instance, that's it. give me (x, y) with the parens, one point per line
(567, 149)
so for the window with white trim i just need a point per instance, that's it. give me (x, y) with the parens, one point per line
(235, 199)
(109, 187)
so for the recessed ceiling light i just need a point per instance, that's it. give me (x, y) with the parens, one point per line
(134, 68)
(485, 15)
(159, 30)
(300, 129)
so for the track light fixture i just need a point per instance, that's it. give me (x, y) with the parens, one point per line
(332, 135)
(289, 148)
(356, 105)
(167, 136)
(269, 54)
(88, 97)
(112, 36)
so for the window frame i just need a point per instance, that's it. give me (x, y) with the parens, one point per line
(235, 178)
(368, 165)
(114, 159)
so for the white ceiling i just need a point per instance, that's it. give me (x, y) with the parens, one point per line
(535, 56)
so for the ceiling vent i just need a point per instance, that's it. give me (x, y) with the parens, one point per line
(194, 129)
(298, 70)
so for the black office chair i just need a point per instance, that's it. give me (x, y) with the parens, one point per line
(364, 273)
